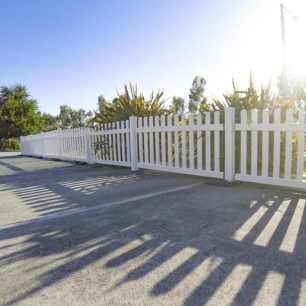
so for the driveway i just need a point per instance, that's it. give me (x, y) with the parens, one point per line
(94, 235)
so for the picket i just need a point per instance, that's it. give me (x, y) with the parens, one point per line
(199, 143)
(169, 138)
(157, 141)
(183, 117)
(207, 143)
(191, 143)
(254, 144)
(265, 144)
(163, 142)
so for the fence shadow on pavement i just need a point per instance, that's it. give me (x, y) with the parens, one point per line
(191, 251)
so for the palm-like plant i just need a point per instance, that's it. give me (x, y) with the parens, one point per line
(131, 104)
(126, 105)
(265, 99)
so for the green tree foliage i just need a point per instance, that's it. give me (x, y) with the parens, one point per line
(10, 144)
(71, 118)
(196, 95)
(178, 105)
(296, 89)
(131, 104)
(101, 102)
(49, 122)
(18, 112)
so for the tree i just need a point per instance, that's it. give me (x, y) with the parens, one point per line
(196, 96)
(101, 102)
(71, 118)
(49, 122)
(296, 89)
(178, 105)
(18, 112)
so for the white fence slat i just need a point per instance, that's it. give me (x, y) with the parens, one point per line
(199, 143)
(301, 148)
(151, 141)
(243, 145)
(254, 144)
(276, 157)
(207, 143)
(265, 145)
(104, 142)
(145, 124)
(157, 157)
(183, 119)
(81, 142)
(110, 141)
(229, 128)
(176, 143)
(122, 143)
(99, 143)
(71, 143)
(128, 157)
(169, 138)
(288, 156)
(114, 143)
(67, 143)
(76, 144)
(96, 143)
(118, 141)
(140, 143)
(217, 143)
(163, 141)
(78, 154)
(133, 145)
(103, 139)
(191, 143)
(64, 144)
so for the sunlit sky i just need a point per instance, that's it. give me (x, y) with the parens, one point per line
(71, 51)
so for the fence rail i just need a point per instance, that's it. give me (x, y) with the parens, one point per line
(256, 150)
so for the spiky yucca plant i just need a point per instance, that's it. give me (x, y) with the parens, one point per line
(131, 104)
(252, 99)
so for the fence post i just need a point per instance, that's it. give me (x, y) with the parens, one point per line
(42, 143)
(229, 171)
(133, 143)
(60, 143)
(87, 145)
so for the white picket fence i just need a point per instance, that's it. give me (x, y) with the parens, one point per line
(190, 145)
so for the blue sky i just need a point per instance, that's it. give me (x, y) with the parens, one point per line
(71, 51)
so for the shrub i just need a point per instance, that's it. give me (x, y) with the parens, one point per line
(264, 99)
(131, 104)
(10, 144)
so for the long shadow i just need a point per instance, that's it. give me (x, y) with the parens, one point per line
(47, 167)
(11, 167)
(193, 246)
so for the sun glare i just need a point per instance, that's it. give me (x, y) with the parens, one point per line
(295, 47)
